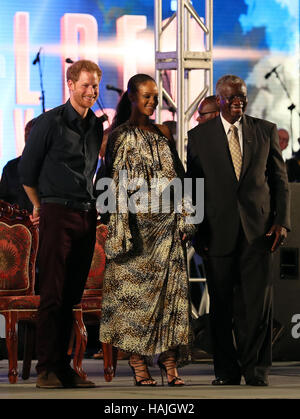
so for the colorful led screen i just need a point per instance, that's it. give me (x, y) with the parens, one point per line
(251, 37)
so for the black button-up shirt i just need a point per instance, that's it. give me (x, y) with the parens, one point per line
(61, 154)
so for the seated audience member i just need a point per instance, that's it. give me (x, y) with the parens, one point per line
(293, 166)
(208, 109)
(11, 189)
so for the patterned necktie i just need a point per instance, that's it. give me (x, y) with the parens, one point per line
(235, 150)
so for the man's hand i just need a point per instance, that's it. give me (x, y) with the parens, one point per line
(280, 234)
(33, 195)
(35, 216)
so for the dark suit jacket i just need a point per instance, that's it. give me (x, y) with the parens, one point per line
(11, 188)
(259, 199)
(293, 168)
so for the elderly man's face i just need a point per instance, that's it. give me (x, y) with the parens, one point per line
(232, 100)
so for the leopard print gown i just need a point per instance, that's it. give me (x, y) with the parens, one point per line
(146, 305)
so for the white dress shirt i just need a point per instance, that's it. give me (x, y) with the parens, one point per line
(238, 124)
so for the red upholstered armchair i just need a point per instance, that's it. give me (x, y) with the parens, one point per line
(18, 250)
(92, 302)
(18, 302)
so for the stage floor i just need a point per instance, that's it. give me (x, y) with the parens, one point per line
(284, 384)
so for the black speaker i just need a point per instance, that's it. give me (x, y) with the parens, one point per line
(287, 287)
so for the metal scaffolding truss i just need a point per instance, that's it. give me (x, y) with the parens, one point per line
(183, 60)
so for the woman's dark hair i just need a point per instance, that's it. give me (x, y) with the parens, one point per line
(123, 109)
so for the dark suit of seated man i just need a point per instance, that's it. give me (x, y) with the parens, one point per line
(11, 188)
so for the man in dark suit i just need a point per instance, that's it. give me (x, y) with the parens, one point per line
(11, 188)
(246, 218)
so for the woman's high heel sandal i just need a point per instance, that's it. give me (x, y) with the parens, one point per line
(139, 370)
(166, 365)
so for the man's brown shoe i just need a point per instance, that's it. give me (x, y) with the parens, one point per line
(71, 379)
(48, 380)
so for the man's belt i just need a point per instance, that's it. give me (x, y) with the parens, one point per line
(76, 205)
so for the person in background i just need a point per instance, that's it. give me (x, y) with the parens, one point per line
(284, 138)
(57, 170)
(293, 166)
(11, 188)
(208, 109)
(12, 191)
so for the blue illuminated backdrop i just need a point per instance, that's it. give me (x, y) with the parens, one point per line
(250, 38)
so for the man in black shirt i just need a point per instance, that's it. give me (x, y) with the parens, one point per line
(57, 169)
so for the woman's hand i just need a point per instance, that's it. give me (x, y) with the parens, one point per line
(280, 234)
